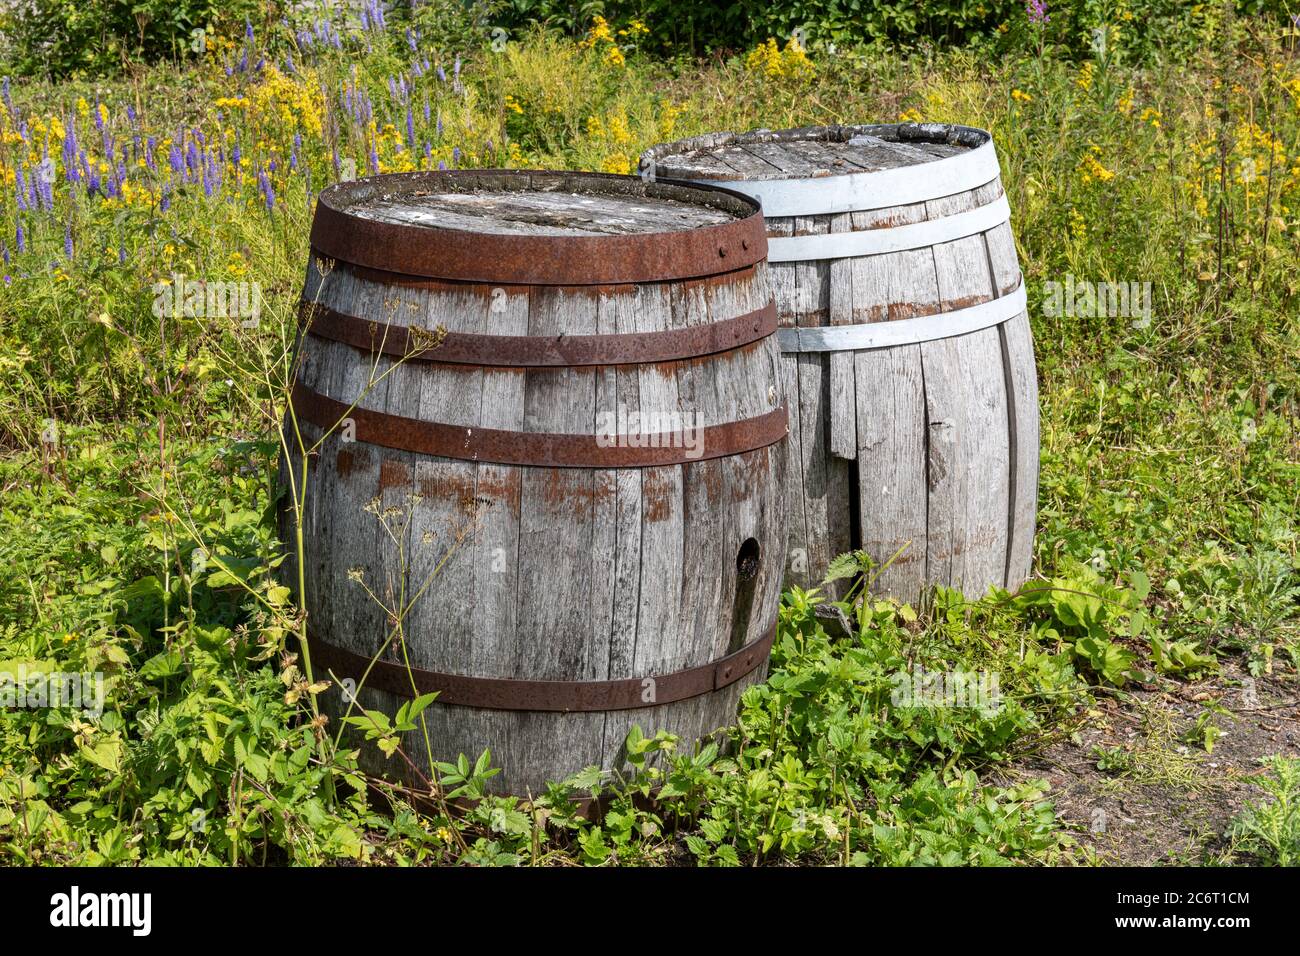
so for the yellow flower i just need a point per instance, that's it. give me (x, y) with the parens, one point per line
(617, 163)
(513, 104)
(1091, 169)
(599, 33)
(1125, 103)
(1151, 116)
(910, 116)
(771, 61)
(1021, 96)
(1084, 79)
(1078, 227)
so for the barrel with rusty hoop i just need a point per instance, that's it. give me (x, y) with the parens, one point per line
(907, 356)
(548, 465)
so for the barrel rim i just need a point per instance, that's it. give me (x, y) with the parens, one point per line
(850, 191)
(511, 259)
(972, 137)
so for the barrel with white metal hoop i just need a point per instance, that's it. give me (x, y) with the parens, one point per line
(907, 356)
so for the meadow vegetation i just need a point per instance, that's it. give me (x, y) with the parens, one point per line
(138, 448)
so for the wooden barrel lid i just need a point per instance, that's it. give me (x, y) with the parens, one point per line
(815, 170)
(537, 228)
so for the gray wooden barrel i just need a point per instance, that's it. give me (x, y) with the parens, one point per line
(908, 361)
(562, 393)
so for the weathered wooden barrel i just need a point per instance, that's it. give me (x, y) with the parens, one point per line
(908, 362)
(551, 479)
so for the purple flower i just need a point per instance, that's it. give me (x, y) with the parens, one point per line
(4, 250)
(410, 127)
(1036, 10)
(248, 31)
(20, 188)
(410, 40)
(67, 241)
(21, 237)
(442, 76)
(268, 193)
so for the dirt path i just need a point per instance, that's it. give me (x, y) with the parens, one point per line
(1137, 782)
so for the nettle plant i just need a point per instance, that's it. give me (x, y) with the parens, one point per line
(1104, 624)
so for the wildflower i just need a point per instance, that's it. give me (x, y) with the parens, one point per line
(1036, 10)
(617, 163)
(1084, 79)
(1091, 169)
(67, 242)
(1021, 96)
(1078, 227)
(21, 238)
(599, 33)
(771, 61)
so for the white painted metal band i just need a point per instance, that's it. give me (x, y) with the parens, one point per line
(871, 242)
(879, 189)
(926, 328)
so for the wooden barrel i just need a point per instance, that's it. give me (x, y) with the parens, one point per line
(555, 439)
(908, 361)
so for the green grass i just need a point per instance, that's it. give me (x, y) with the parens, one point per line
(1167, 524)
